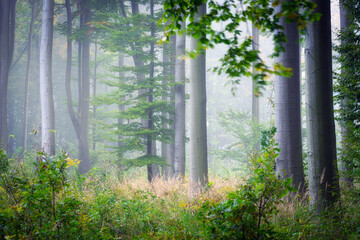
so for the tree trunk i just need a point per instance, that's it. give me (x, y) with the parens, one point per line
(288, 110)
(167, 171)
(70, 107)
(323, 175)
(27, 79)
(198, 135)
(94, 95)
(153, 169)
(346, 163)
(84, 155)
(46, 91)
(179, 149)
(255, 97)
(121, 109)
(4, 69)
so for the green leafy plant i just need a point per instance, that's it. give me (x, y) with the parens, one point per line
(37, 204)
(246, 212)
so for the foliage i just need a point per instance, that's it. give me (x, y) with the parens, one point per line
(240, 56)
(131, 90)
(37, 204)
(247, 135)
(96, 207)
(347, 91)
(246, 212)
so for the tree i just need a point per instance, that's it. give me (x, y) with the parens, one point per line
(80, 120)
(7, 39)
(179, 148)
(138, 92)
(198, 136)
(255, 96)
(27, 78)
(288, 109)
(347, 90)
(322, 162)
(46, 90)
(84, 155)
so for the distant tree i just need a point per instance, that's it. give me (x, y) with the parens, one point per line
(255, 107)
(322, 162)
(198, 129)
(80, 119)
(137, 92)
(84, 103)
(27, 77)
(7, 40)
(46, 89)
(179, 150)
(289, 163)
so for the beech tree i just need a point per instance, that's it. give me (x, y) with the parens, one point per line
(179, 149)
(27, 78)
(322, 162)
(80, 119)
(198, 135)
(288, 108)
(7, 39)
(46, 89)
(255, 107)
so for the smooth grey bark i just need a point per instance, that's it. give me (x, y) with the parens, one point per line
(255, 110)
(167, 171)
(46, 89)
(27, 78)
(121, 109)
(94, 95)
(198, 135)
(11, 113)
(84, 155)
(346, 164)
(171, 146)
(288, 110)
(70, 107)
(322, 162)
(4, 69)
(179, 145)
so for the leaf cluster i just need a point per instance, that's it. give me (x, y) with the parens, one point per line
(264, 14)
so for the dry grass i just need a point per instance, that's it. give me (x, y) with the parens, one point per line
(176, 187)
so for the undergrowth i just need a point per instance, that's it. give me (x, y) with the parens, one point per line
(45, 198)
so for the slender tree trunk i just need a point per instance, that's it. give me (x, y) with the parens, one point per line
(121, 109)
(27, 79)
(4, 69)
(288, 110)
(80, 49)
(70, 107)
(255, 98)
(46, 91)
(198, 136)
(345, 130)
(153, 169)
(11, 113)
(171, 146)
(166, 170)
(179, 154)
(323, 175)
(94, 95)
(84, 155)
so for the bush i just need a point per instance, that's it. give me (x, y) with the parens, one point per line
(246, 212)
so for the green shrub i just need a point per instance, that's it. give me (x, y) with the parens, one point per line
(37, 204)
(246, 212)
